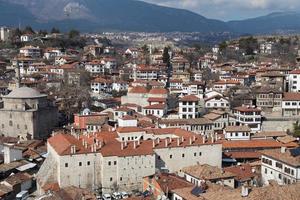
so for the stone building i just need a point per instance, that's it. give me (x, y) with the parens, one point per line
(102, 161)
(27, 114)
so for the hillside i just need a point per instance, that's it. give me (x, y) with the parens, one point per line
(132, 15)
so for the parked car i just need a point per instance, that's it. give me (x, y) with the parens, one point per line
(106, 197)
(23, 195)
(116, 195)
(124, 195)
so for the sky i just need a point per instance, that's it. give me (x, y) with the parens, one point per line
(232, 9)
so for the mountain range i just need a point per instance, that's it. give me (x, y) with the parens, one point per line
(132, 15)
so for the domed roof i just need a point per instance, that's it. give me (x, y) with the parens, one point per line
(86, 111)
(24, 93)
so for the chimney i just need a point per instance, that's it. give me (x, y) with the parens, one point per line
(122, 146)
(139, 142)
(182, 139)
(203, 139)
(86, 145)
(194, 138)
(178, 141)
(73, 149)
(125, 143)
(245, 191)
(83, 142)
(283, 149)
(191, 141)
(153, 143)
(134, 145)
(216, 138)
(158, 140)
(166, 142)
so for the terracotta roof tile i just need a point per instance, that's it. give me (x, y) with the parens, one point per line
(190, 98)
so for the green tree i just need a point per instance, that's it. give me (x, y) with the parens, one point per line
(28, 30)
(74, 34)
(248, 44)
(223, 45)
(166, 56)
(55, 30)
(145, 49)
(296, 131)
(43, 32)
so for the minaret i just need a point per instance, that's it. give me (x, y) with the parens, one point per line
(18, 75)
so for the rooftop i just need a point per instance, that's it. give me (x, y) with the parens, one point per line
(237, 129)
(286, 157)
(24, 93)
(207, 172)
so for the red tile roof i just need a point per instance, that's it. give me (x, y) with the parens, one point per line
(138, 89)
(296, 71)
(291, 96)
(129, 129)
(247, 109)
(242, 173)
(251, 144)
(157, 99)
(156, 106)
(190, 98)
(158, 91)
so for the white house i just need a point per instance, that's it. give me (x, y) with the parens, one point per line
(4, 34)
(217, 102)
(26, 38)
(291, 104)
(281, 165)
(246, 115)
(266, 48)
(237, 133)
(294, 80)
(127, 121)
(189, 107)
(30, 51)
(158, 110)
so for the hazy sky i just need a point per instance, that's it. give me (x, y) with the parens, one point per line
(231, 9)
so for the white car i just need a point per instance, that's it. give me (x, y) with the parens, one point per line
(23, 195)
(106, 197)
(116, 195)
(124, 195)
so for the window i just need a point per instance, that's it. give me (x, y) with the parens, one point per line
(171, 156)
(279, 176)
(182, 155)
(195, 154)
(10, 123)
(111, 179)
(66, 164)
(109, 163)
(115, 162)
(121, 179)
(279, 165)
(287, 170)
(200, 154)
(80, 164)
(88, 163)
(266, 171)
